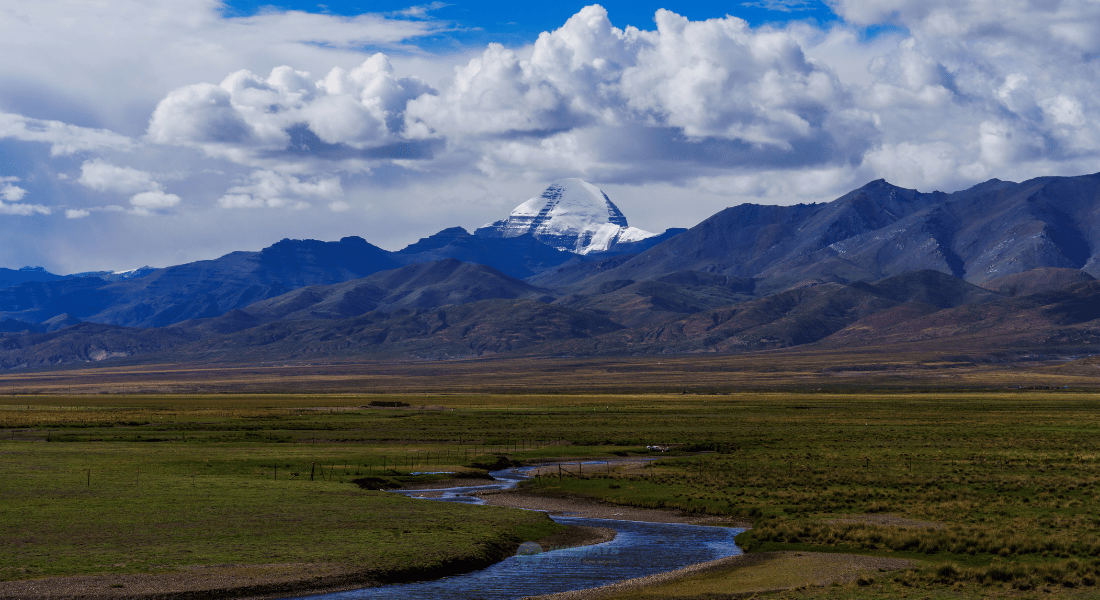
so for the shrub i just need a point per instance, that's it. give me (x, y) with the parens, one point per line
(947, 573)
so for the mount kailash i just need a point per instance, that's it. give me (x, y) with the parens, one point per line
(570, 215)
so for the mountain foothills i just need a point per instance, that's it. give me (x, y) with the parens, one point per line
(1000, 269)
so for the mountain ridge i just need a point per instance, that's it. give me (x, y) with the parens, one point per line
(998, 263)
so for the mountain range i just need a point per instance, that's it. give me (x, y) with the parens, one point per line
(1001, 267)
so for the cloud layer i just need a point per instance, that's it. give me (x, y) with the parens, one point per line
(241, 130)
(963, 93)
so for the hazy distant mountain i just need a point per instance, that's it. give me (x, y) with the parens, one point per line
(200, 289)
(13, 277)
(570, 215)
(116, 275)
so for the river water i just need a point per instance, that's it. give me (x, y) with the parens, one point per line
(639, 549)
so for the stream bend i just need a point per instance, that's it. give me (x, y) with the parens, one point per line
(639, 549)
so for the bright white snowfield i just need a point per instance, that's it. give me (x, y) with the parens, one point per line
(571, 215)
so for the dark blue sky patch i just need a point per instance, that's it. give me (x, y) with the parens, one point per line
(478, 22)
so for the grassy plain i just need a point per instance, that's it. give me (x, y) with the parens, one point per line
(1009, 482)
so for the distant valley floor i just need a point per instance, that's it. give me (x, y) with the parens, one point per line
(798, 370)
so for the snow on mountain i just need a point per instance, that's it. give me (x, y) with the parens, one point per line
(116, 275)
(571, 215)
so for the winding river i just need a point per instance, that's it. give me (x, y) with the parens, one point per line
(639, 549)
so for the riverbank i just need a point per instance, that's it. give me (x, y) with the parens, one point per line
(265, 582)
(570, 505)
(743, 574)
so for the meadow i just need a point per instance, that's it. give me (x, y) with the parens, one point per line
(993, 492)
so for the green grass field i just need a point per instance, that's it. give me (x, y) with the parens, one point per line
(86, 507)
(139, 483)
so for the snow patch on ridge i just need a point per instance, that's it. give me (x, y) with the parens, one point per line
(571, 215)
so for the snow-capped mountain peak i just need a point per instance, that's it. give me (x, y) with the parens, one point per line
(571, 215)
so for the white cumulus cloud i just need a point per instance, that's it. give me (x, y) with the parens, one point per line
(712, 79)
(273, 189)
(9, 191)
(63, 138)
(24, 210)
(146, 194)
(254, 120)
(104, 176)
(11, 194)
(148, 203)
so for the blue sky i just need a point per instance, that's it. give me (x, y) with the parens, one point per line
(143, 132)
(483, 21)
